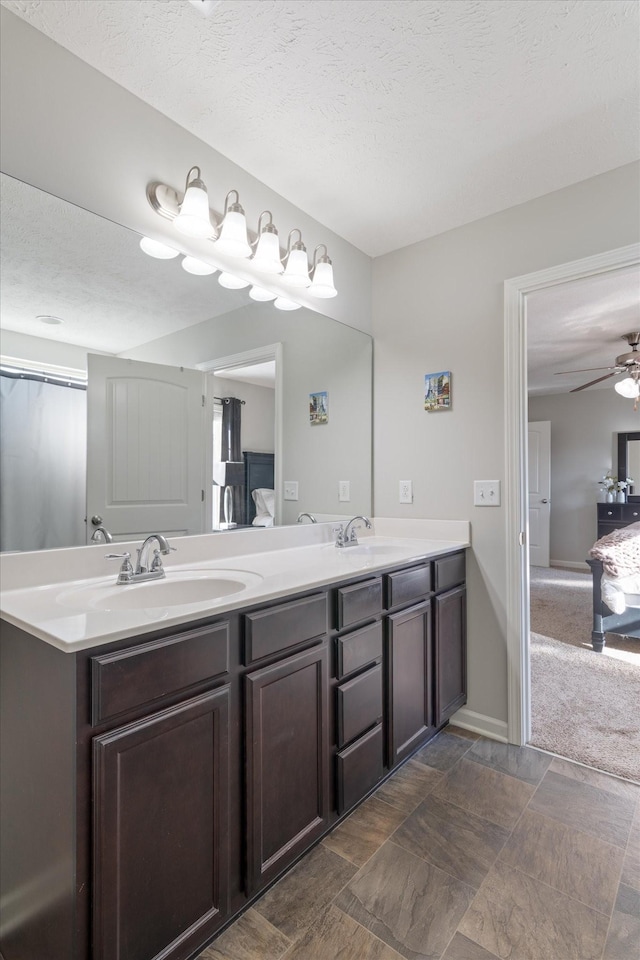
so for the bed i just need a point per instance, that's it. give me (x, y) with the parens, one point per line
(615, 569)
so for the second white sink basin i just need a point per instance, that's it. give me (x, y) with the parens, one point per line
(183, 588)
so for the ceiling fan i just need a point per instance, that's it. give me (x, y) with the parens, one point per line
(628, 363)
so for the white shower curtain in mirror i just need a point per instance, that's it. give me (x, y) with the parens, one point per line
(42, 464)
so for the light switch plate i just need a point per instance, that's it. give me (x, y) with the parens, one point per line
(291, 490)
(405, 493)
(344, 491)
(486, 493)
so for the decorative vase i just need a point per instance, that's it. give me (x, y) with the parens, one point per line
(609, 496)
(622, 497)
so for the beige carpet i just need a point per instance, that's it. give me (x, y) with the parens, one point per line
(585, 705)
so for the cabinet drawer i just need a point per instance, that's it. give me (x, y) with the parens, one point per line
(630, 512)
(359, 648)
(359, 704)
(611, 512)
(286, 625)
(449, 571)
(408, 585)
(359, 768)
(359, 602)
(131, 678)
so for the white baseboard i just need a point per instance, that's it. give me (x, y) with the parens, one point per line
(570, 565)
(479, 723)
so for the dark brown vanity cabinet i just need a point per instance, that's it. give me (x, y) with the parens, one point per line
(165, 780)
(287, 755)
(450, 653)
(161, 830)
(410, 680)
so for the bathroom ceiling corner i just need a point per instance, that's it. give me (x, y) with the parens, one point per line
(387, 122)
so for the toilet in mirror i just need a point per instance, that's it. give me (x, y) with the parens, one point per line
(127, 382)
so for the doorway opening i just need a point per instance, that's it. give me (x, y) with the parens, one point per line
(516, 419)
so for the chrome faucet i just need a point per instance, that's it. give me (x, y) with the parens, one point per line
(144, 570)
(101, 535)
(310, 515)
(349, 539)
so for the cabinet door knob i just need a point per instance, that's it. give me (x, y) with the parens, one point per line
(609, 513)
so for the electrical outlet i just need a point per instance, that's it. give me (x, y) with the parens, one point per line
(344, 491)
(406, 491)
(486, 493)
(291, 490)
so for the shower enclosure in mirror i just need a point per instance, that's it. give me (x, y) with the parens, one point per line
(148, 320)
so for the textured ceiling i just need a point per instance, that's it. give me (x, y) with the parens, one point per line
(388, 122)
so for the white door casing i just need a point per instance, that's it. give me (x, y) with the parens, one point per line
(515, 408)
(539, 486)
(146, 469)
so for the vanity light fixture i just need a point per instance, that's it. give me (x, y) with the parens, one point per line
(262, 295)
(158, 250)
(198, 267)
(322, 275)
(296, 271)
(232, 282)
(194, 219)
(192, 216)
(233, 239)
(283, 304)
(266, 257)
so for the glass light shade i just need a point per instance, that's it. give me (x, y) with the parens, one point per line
(296, 271)
(232, 283)
(267, 255)
(283, 304)
(160, 251)
(198, 267)
(322, 283)
(628, 388)
(194, 219)
(233, 235)
(259, 293)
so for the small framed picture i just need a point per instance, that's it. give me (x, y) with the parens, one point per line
(318, 408)
(437, 391)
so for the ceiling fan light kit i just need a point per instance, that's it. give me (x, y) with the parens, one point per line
(192, 216)
(624, 363)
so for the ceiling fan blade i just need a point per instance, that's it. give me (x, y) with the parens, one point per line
(591, 382)
(584, 370)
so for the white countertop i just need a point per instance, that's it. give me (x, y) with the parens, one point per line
(50, 593)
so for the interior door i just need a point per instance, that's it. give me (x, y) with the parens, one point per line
(146, 448)
(539, 492)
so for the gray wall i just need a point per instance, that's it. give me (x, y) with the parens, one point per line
(439, 305)
(584, 428)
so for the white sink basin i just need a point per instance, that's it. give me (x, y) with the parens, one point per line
(184, 588)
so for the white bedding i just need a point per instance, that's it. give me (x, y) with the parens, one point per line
(620, 592)
(264, 499)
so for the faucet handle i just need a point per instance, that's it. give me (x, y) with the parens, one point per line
(126, 570)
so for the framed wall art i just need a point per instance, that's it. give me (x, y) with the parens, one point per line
(318, 408)
(437, 391)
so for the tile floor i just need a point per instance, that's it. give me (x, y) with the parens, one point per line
(473, 850)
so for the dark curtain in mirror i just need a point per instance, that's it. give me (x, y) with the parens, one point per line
(232, 450)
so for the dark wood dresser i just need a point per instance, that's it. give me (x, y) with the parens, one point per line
(612, 516)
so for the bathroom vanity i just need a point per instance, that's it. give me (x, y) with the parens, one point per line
(156, 782)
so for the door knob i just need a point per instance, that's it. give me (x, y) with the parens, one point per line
(544, 501)
(96, 520)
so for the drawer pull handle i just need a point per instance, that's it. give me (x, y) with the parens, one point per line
(635, 513)
(609, 513)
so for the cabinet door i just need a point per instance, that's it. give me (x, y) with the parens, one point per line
(161, 831)
(287, 761)
(410, 701)
(450, 653)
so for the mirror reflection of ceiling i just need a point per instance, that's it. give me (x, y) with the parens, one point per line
(461, 109)
(60, 260)
(579, 325)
